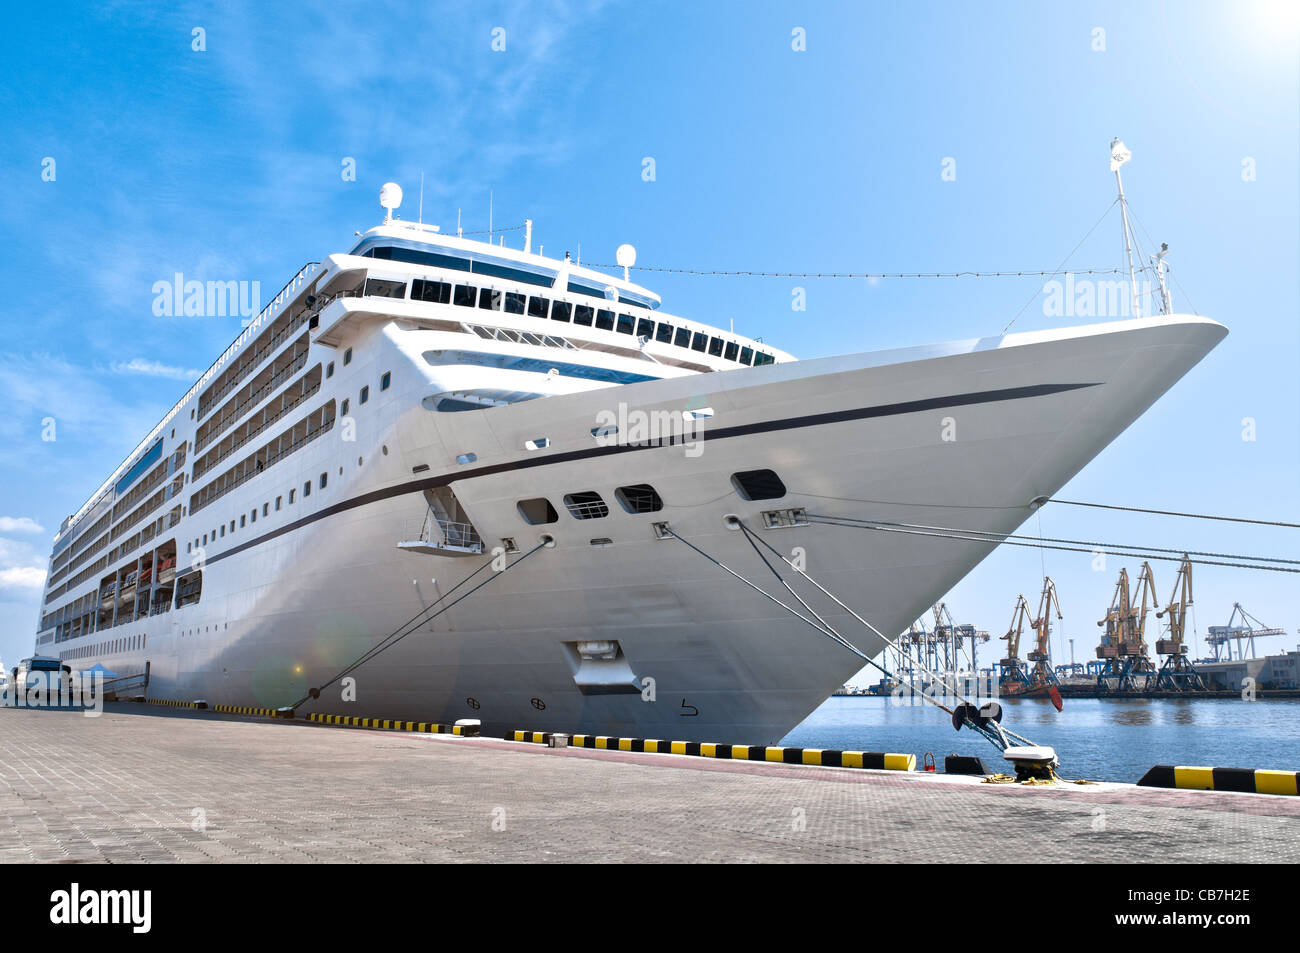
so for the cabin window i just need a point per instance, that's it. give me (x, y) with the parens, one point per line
(243, 520)
(640, 498)
(515, 302)
(223, 530)
(489, 299)
(645, 328)
(732, 350)
(439, 292)
(329, 370)
(538, 307)
(537, 511)
(586, 505)
(465, 296)
(699, 342)
(761, 357)
(253, 516)
(232, 526)
(323, 478)
(582, 314)
(278, 499)
(560, 311)
(306, 488)
(347, 357)
(384, 288)
(344, 408)
(385, 380)
(625, 323)
(266, 509)
(758, 485)
(683, 338)
(205, 539)
(605, 320)
(291, 493)
(365, 395)
(664, 334)
(715, 347)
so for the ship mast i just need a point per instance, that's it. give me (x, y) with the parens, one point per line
(1119, 154)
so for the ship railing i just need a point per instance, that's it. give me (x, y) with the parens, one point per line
(442, 533)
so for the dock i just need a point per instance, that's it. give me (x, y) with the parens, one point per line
(170, 784)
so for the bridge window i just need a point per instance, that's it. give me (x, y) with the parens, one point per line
(465, 296)
(538, 307)
(438, 292)
(385, 288)
(645, 328)
(699, 342)
(624, 324)
(746, 355)
(605, 320)
(514, 302)
(560, 311)
(582, 314)
(715, 347)
(732, 350)
(664, 334)
(683, 338)
(489, 299)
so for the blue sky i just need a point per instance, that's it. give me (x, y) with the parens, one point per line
(224, 164)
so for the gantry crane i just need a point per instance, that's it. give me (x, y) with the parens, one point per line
(1123, 648)
(1177, 674)
(1249, 629)
(1013, 677)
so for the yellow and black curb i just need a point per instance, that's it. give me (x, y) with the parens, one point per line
(821, 757)
(175, 703)
(353, 721)
(1241, 780)
(244, 710)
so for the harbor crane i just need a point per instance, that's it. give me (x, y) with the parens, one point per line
(1013, 677)
(1043, 677)
(1177, 674)
(1246, 631)
(1123, 648)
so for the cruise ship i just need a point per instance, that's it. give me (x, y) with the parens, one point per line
(468, 439)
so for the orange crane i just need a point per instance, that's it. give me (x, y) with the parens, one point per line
(1043, 678)
(1013, 678)
(1123, 648)
(1177, 674)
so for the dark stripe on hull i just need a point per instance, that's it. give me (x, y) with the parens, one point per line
(722, 433)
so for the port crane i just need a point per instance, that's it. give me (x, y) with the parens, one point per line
(1043, 676)
(1177, 674)
(1247, 631)
(1013, 676)
(1123, 648)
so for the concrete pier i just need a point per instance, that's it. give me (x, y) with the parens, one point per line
(144, 783)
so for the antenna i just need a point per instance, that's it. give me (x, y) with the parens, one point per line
(1119, 154)
(421, 196)
(390, 197)
(626, 257)
(489, 216)
(528, 236)
(459, 234)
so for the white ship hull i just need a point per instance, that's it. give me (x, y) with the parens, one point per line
(297, 596)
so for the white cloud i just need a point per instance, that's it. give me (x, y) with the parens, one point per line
(139, 365)
(19, 524)
(22, 577)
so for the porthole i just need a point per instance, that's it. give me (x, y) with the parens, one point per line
(639, 498)
(537, 511)
(758, 485)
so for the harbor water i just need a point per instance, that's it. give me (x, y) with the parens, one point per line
(1098, 739)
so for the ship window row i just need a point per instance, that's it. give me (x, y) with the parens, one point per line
(535, 365)
(295, 438)
(130, 643)
(602, 319)
(641, 498)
